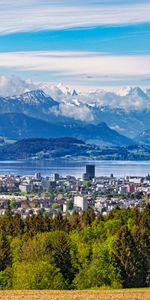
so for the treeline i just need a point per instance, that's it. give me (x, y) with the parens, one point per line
(52, 147)
(75, 252)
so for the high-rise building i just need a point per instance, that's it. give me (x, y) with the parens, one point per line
(80, 202)
(131, 188)
(90, 171)
(38, 176)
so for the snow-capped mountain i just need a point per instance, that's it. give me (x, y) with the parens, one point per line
(35, 97)
(33, 103)
(131, 91)
(58, 92)
(130, 98)
(126, 110)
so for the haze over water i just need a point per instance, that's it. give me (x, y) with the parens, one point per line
(75, 168)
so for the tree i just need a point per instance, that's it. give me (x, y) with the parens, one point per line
(145, 220)
(6, 221)
(101, 271)
(17, 225)
(58, 222)
(142, 238)
(37, 248)
(75, 221)
(86, 184)
(61, 254)
(37, 275)
(88, 217)
(5, 255)
(69, 205)
(128, 258)
(6, 279)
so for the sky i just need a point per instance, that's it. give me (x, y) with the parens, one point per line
(85, 44)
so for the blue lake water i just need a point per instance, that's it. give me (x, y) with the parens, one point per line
(76, 168)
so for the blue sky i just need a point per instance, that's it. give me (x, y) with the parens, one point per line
(86, 44)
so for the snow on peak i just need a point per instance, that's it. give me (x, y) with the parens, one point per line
(127, 98)
(125, 91)
(66, 90)
(131, 91)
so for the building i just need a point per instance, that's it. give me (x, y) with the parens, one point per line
(54, 177)
(45, 184)
(38, 176)
(80, 202)
(131, 188)
(26, 188)
(90, 171)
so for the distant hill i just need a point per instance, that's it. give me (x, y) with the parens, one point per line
(143, 137)
(20, 126)
(70, 148)
(101, 135)
(43, 148)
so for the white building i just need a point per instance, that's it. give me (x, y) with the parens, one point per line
(25, 188)
(81, 202)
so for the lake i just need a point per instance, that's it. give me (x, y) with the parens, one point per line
(76, 168)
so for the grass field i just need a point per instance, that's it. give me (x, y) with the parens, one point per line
(76, 295)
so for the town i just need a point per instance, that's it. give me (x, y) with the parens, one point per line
(28, 195)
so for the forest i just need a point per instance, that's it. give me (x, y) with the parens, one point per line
(78, 251)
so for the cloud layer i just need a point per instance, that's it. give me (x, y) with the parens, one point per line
(78, 105)
(78, 67)
(13, 85)
(19, 16)
(82, 113)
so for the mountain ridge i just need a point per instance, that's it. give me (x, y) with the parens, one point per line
(19, 126)
(127, 111)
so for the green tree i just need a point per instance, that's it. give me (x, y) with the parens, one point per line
(6, 279)
(58, 222)
(88, 217)
(128, 257)
(37, 275)
(17, 225)
(61, 254)
(75, 221)
(101, 271)
(5, 255)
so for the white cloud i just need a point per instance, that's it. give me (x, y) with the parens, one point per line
(13, 85)
(78, 64)
(82, 113)
(79, 106)
(34, 15)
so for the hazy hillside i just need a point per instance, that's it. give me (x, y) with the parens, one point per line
(19, 126)
(143, 137)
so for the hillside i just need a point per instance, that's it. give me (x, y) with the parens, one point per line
(70, 148)
(20, 126)
(43, 148)
(143, 137)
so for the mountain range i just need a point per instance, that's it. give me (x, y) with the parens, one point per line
(19, 126)
(100, 117)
